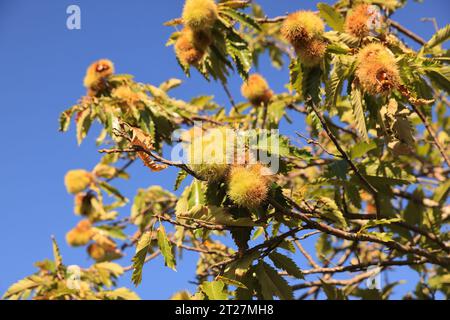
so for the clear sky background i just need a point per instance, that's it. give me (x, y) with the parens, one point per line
(42, 65)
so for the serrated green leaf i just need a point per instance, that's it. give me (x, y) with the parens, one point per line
(120, 294)
(360, 149)
(374, 223)
(113, 268)
(251, 284)
(214, 290)
(439, 281)
(439, 37)
(241, 17)
(197, 195)
(170, 84)
(331, 16)
(241, 236)
(334, 86)
(358, 112)
(165, 247)
(83, 125)
(258, 231)
(337, 48)
(20, 286)
(296, 76)
(332, 292)
(139, 257)
(440, 193)
(180, 178)
(339, 169)
(238, 50)
(414, 212)
(348, 39)
(110, 190)
(281, 146)
(287, 245)
(272, 284)
(287, 264)
(65, 117)
(332, 211)
(203, 102)
(231, 282)
(182, 206)
(440, 77)
(367, 294)
(56, 254)
(387, 174)
(112, 231)
(221, 216)
(311, 84)
(186, 68)
(383, 236)
(240, 267)
(275, 111)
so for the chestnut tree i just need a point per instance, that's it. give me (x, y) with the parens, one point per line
(368, 178)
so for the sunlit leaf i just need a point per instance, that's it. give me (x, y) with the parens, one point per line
(165, 247)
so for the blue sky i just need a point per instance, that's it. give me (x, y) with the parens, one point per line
(41, 71)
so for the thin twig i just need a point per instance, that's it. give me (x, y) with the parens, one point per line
(201, 250)
(229, 95)
(199, 225)
(363, 266)
(138, 148)
(306, 254)
(432, 133)
(331, 123)
(344, 154)
(406, 32)
(349, 282)
(317, 143)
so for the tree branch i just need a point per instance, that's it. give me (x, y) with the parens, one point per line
(365, 182)
(391, 22)
(363, 266)
(442, 261)
(432, 133)
(406, 32)
(138, 148)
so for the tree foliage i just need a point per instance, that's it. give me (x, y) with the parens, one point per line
(367, 178)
